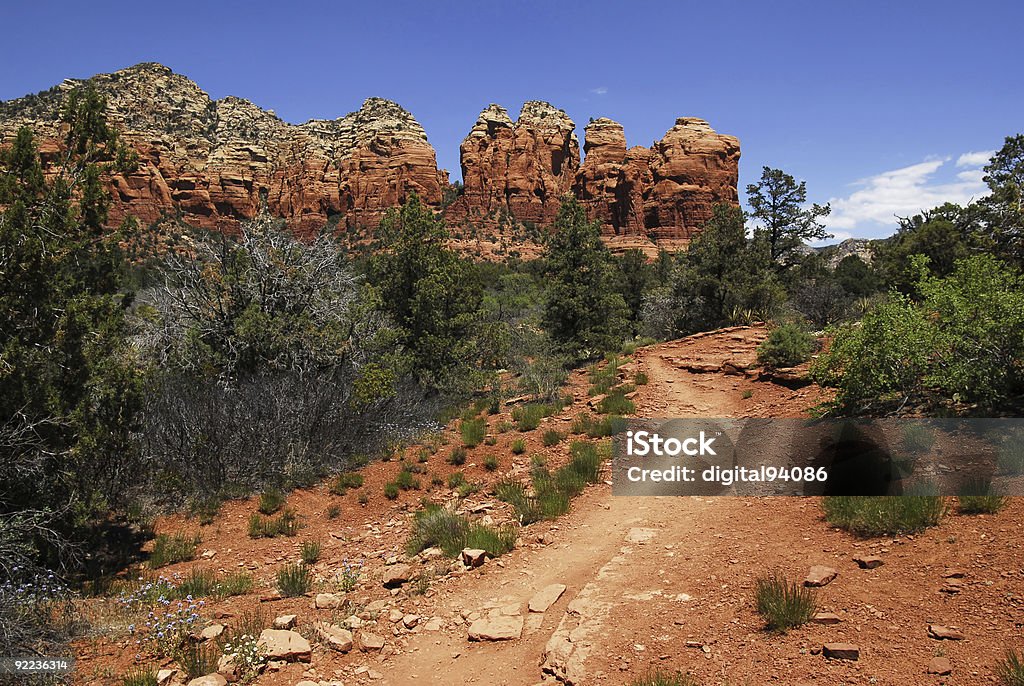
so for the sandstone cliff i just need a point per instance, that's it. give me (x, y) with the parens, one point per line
(211, 163)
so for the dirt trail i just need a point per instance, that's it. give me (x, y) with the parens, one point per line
(666, 583)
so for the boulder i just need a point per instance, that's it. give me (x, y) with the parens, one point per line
(940, 666)
(336, 637)
(328, 601)
(820, 576)
(369, 642)
(209, 680)
(284, 621)
(496, 628)
(841, 651)
(285, 645)
(396, 575)
(546, 597)
(473, 557)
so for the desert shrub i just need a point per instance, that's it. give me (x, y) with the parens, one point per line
(514, 493)
(271, 500)
(495, 540)
(603, 378)
(197, 659)
(884, 515)
(552, 437)
(527, 417)
(344, 481)
(473, 431)
(491, 463)
(981, 504)
(198, 583)
(1010, 669)
(233, 584)
(391, 490)
(1011, 454)
(786, 346)
(457, 457)
(333, 512)
(660, 678)
(641, 379)
(491, 441)
(139, 677)
(518, 446)
(423, 456)
(293, 580)
(284, 524)
(585, 461)
(456, 479)
(172, 548)
(406, 481)
(616, 403)
(784, 604)
(363, 499)
(310, 551)
(438, 526)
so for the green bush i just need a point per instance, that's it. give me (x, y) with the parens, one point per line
(527, 417)
(786, 346)
(333, 512)
(884, 515)
(271, 500)
(491, 463)
(406, 481)
(310, 551)
(457, 457)
(438, 526)
(285, 524)
(344, 481)
(616, 403)
(518, 446)
(783, 604)
(473, 431)
(981, 504)
(172, 548)
(1010, 670)
(391, 490)
(552, 437)
(641, 379)
(495, 540)
(294, 580)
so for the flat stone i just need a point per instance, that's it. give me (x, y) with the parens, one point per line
(944, 633)
(953, 573)
(410, 621)
(473, 557)
(826, 618)
(546, 597)
(211, 632)
(841, 651)
(285, 645)
(336, 637)
(370, 642)
(869, 561)
(396, 575)
(820, 576)
(941, 666)
(498, 628)
(209, 680)
(165, 675)
(285, 621)
(328, 601)
(395, 616)
(307, 682)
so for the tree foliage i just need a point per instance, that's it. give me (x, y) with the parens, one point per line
(777, 203)
(584, 312)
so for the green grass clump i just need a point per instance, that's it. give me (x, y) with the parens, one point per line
(197, 659)
(616, 403)
(1010, 670)
(439, 526)
(917, 438)
(884, 515)
(172, 548)
(491, 463)
(456, 479)
(423, 456)
(139, 677)
(344, 481)
(603, 379)
(284, 524)
(271, 500)
(198, 583)
(981, 504)
(527, 417)
(293, 580)
(552, 437)
(457, 456)
(518, 446)
(333, 512)
(641, 379)
(473, 431)
(406, 481)
(391, 490)
(660, 678)
(606, 426)
(239, 583)
(514, 493)
(784, 604)
(310, 551)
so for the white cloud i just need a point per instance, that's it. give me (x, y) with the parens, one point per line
(600, 90)
(975, 159)
(872, 209)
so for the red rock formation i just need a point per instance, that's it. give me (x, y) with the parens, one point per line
(213, 162)
(522, 168)
(665, 192)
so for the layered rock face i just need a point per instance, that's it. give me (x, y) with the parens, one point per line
(522, 168)
(212, 163)
(667, 191)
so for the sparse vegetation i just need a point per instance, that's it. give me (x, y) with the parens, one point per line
(197, 659)
(457, 457)
(271, 500)
(284, 524)
(518, 446)
(660, 678)
(310, 551)
(784, 604)
(473, 431)
(491, 463)
(139, 677)
(344, 481)
(1010, 670)
(527, 417)
(171, 548)
(981, 504)
(391, 490)
(438, 526)
(293, 580)
(884, 515)
(552, 437)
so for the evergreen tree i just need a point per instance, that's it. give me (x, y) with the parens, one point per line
(584, 313)
(777, 201)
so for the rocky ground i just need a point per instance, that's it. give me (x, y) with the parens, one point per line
(619, 586)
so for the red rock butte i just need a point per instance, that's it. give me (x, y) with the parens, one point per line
(213, 163)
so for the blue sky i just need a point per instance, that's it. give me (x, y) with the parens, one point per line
(881, 107)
